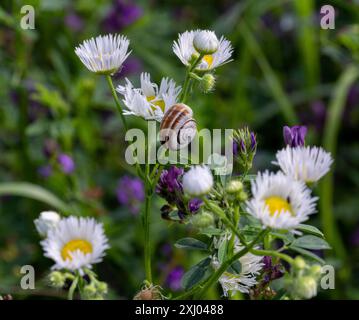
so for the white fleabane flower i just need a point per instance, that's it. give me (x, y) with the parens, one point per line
(197, 181)
(307, 164)
(75, 243)
(206, 42)
(149, 101)
(251, 265)
(103, 54)
(186, 52)
(46, 221)
(280, 202)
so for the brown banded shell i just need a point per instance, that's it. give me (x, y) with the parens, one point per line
(178, 128)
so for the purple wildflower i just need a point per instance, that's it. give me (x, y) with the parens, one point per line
(45, 171)
(355, 238)
(132, 65)
(235, 148)
(130, 192)
(74, 22)
(194, 205)
(169, 183)
(294, 136)
(122, 14)
(66, 163)
(173, 280)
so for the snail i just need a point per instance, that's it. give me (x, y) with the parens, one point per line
(178, 128)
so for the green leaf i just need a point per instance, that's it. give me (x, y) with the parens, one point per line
(311, 242)
(308, 254)
(191, 244)
(211, 231)
(222, 251)
(286, 237)
(195, 274)
(235, 267)
(33, 191)
(310, 229)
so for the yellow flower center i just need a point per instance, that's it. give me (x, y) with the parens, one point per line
(158, 103)
(277, 205)
(209, 59)
(73, 245)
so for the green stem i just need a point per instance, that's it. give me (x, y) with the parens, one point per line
(271, 253)
(330, 138)
(188, 78)
(117, 101)
(214, 278)
(220, 213)
(146, 226)
(72, 288)
(270, 76)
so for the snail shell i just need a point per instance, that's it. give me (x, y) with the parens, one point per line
(178, 128)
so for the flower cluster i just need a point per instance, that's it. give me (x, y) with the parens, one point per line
(170, 187)
(74, 244)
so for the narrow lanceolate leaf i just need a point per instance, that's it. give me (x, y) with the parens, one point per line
(211, 231)
(195, 274)
(308, 254)
(310, 229)
(190, 244)
(222, 251)
(311, 242)
(32, 191)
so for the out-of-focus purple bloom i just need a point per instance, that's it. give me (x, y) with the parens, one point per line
(130, 192)
(166, 250)
(194, 205)
(66, 163)
(173, 280)
(294, 136)
(122, 14)
(50, 148)
(355, 237)
(132, 65)
(45, 171)
(74, 22)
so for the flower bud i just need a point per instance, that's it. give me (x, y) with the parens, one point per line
(242, 196)
(205, 42)
(46, 221)
(294, 136)
(102, 287)
(306, 287)
(244, 147)
(202, 220)
(197, 181)
(234, 186)
(315, 271)
(299, 263)
(207, 83)
(90, 291)
(57, 279)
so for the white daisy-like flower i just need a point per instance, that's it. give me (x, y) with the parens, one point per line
(186, 52)
(197, 181)
(103, 54)
(307, 164)
(149, 101)
(46, 221)
(251, 265)
(280, 202)
(75, 243)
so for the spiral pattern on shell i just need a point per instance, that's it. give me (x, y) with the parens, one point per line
(178, 128)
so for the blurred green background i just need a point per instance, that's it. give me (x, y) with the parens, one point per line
(286, 71)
